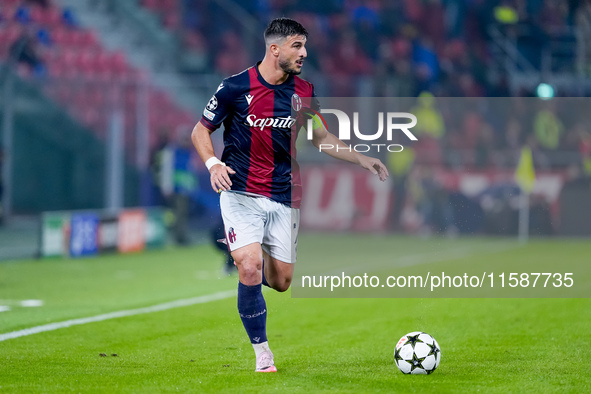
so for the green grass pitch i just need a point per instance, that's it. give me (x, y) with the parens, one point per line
(320, 345)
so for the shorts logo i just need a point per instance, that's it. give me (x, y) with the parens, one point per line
(208, 114)
(212, 104)
(231, 235)
(296, 102)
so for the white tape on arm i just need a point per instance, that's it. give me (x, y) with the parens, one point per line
(212, 161)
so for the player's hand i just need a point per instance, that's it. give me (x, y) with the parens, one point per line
(375, 166)
(220, 178)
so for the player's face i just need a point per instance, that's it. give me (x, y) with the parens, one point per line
(292, 54)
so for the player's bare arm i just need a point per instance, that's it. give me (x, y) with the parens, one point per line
(220, 173)
(322, 136)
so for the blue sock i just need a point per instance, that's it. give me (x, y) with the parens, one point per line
(265, 283)
(253, 312)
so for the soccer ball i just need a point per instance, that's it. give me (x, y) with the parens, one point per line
(417, 353)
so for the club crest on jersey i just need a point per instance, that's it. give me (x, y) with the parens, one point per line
(212, 104)
(231, 235)
(296, 102)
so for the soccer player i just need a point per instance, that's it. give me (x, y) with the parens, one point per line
(258, 177)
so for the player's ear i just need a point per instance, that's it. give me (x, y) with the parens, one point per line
(274, 49)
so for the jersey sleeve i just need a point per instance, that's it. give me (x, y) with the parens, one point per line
(314, 102)
(310, 108)
(218, 107)
(311, 104)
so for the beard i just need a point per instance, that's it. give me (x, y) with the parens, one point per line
(288, 69)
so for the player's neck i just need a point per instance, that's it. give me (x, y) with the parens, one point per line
(272, 73)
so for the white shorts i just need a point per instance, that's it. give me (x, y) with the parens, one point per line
(249, 219)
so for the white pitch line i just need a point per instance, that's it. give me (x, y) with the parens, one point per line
(114, 315)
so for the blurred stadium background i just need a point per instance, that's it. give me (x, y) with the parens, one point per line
(98, 99)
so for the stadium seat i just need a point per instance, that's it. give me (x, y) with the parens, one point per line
(57, 69)
(118, 62)
(59, 36)
(81, 38)
(50, 18)
(88, 39)
(69, 57)
(36, 14)
(85, 59)
(79, 66)
(10, 33)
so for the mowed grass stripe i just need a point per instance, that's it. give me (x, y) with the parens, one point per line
(114, 315)
(320, 346)
(78, 288)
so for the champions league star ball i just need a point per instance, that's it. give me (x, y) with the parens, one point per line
(417, 353)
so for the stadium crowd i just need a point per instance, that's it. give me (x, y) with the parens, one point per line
(433, 50)
(406, 48)
(369, 48)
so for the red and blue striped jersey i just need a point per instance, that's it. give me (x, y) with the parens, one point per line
(261, 124)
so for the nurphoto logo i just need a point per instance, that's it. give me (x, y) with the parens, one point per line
(392, 120)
